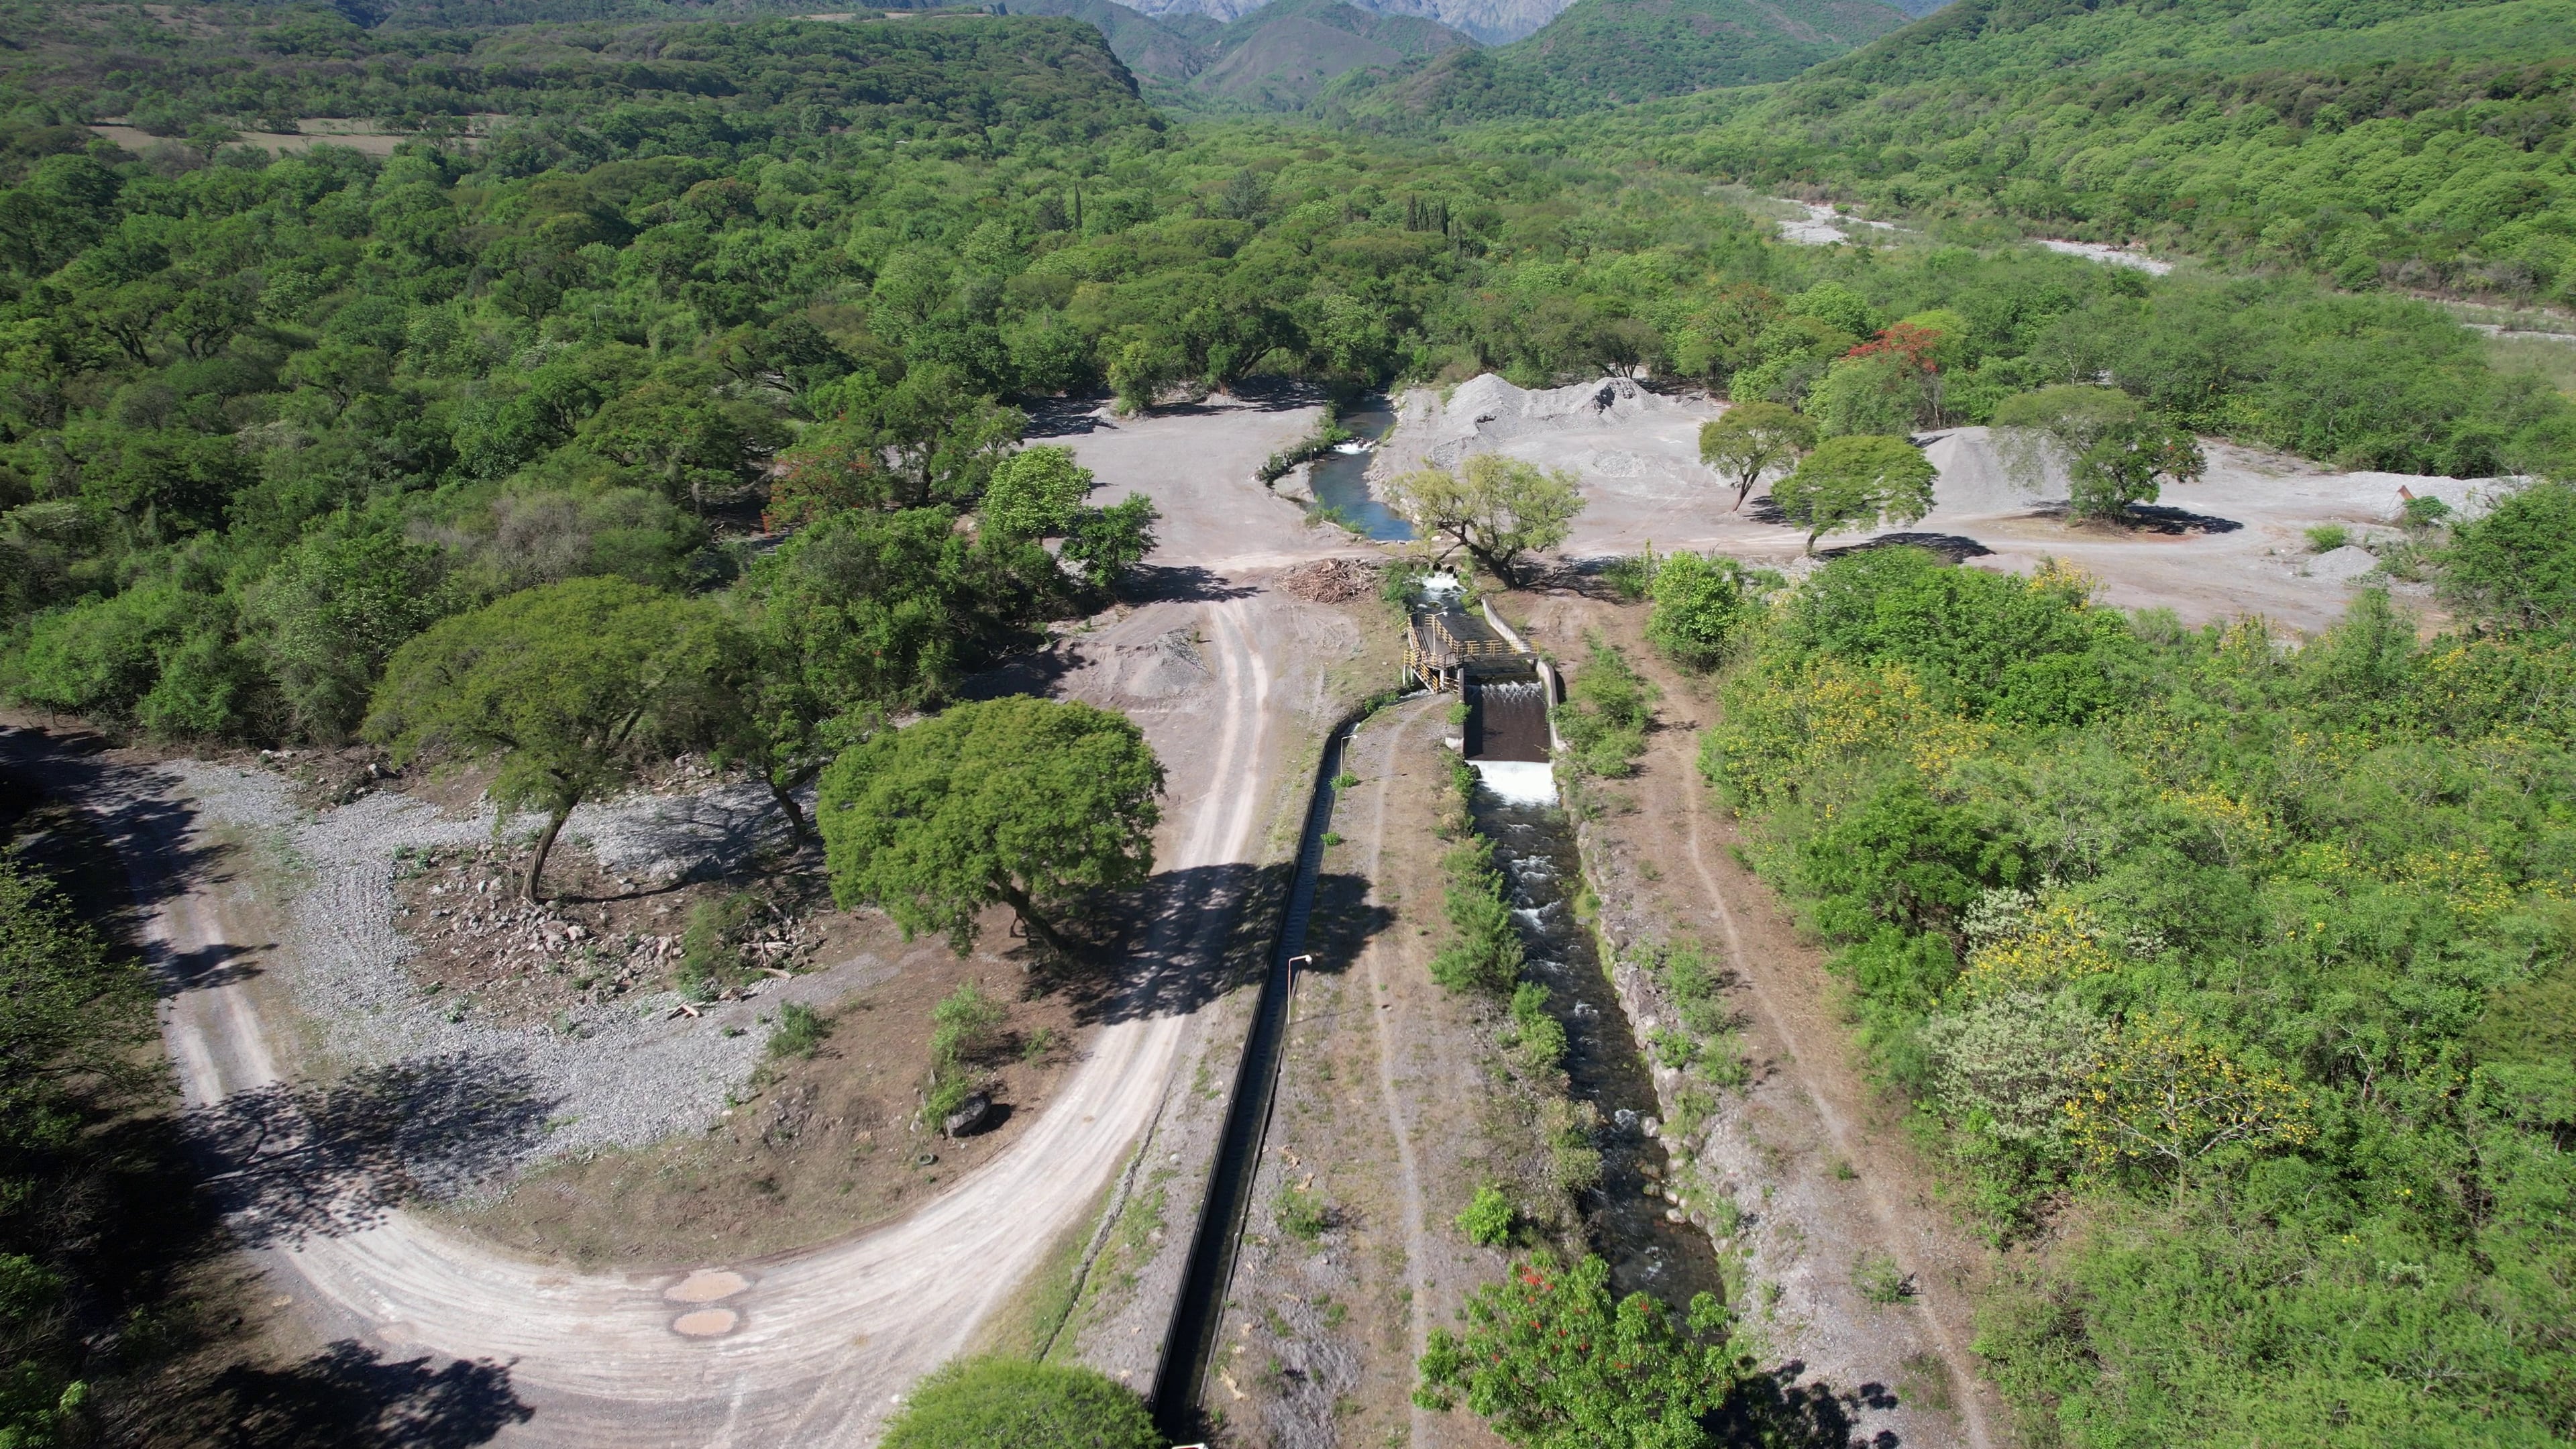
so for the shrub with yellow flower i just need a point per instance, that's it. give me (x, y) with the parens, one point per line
(2165, 1095)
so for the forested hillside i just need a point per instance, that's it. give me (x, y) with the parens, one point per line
(2262, 956)
(1604, 53)
(585, 343)
(2409, 145)
(1275, 59)
(704, 352)
(704, 88)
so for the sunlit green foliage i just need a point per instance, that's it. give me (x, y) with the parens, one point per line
(1702, 603)
(1488, 1217)
(570, 688)
(1494, 508)
(1554, 1360)
(2246, 949)
(1606, 711)
(976, 1402)
(1856, 481)
(1484, 953)
(1024, 802)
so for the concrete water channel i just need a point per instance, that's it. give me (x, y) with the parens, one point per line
(1507, 739)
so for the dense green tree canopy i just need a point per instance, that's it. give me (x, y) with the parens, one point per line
(1025, 802)
(1754, 438)
(1858, 481)
(1555, 1360)
(2159, 917)
(977, 1402)
(569, 687)
(1497, 509)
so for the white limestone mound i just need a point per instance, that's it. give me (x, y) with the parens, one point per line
(2109, 256)
(1973, 481)
(2346, 563)
(1486, 412)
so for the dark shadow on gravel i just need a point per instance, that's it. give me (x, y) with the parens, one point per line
(1775, 1409)
(289, 1162)
(1138, 960)
(1138, 952)
(1952, 547)
(1341, 924)
(209, 967)
(2150, 518)
(1035, 673)
(1185, 583)
(349, 1397)
(134, 807)
(1061, 417)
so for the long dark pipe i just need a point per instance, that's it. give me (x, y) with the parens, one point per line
(1190, 1344)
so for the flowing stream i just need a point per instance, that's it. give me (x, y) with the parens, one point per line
(1340, 478)
(1625, 1216)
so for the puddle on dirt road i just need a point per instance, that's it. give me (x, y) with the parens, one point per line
(1624, 1217)
(1340, 477)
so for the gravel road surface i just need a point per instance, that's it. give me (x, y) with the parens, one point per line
(813, 1349)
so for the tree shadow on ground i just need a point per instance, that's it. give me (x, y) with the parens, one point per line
(139, 814)
(1194, 935)
(1062, 417)
(1182, 583)
(1166, 950)
(1341, 923)
(286, 1162)
(1773, 1408)
(2146, 518)
(349, 1397)
(1952, 547)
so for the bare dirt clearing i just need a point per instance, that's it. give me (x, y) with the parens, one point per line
(2233, 543)
(288, 965)
(370, 141)
(816, 1147)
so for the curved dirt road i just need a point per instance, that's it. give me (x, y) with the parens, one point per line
(813, 1348)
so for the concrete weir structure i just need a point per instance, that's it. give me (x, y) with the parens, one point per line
(1509, 691)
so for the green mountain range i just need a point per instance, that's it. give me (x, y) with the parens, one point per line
(1612, 52)
(1277, 58)
(2375, 143)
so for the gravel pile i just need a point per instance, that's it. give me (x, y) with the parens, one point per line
(1331, 580)
(618, 1074)
(1485, 412)
(658, 839)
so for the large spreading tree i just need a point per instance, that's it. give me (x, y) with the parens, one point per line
(1025, 802)
(569, 687)
(2114, 452)
(1495, 508)
(1856, 481)
(1752, 439)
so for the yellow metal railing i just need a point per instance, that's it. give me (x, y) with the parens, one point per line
(1432, 653)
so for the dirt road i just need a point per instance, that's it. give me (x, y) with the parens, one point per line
(815, 1348)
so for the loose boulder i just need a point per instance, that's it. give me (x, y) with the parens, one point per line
(969, 1117)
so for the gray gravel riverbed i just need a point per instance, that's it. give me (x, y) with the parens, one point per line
(618, 1074)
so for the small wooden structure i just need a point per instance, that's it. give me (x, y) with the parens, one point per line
(1444, 647)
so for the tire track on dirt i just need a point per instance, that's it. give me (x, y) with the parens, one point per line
(1942, 1313)
(1416, 1238)
(821, 1340)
